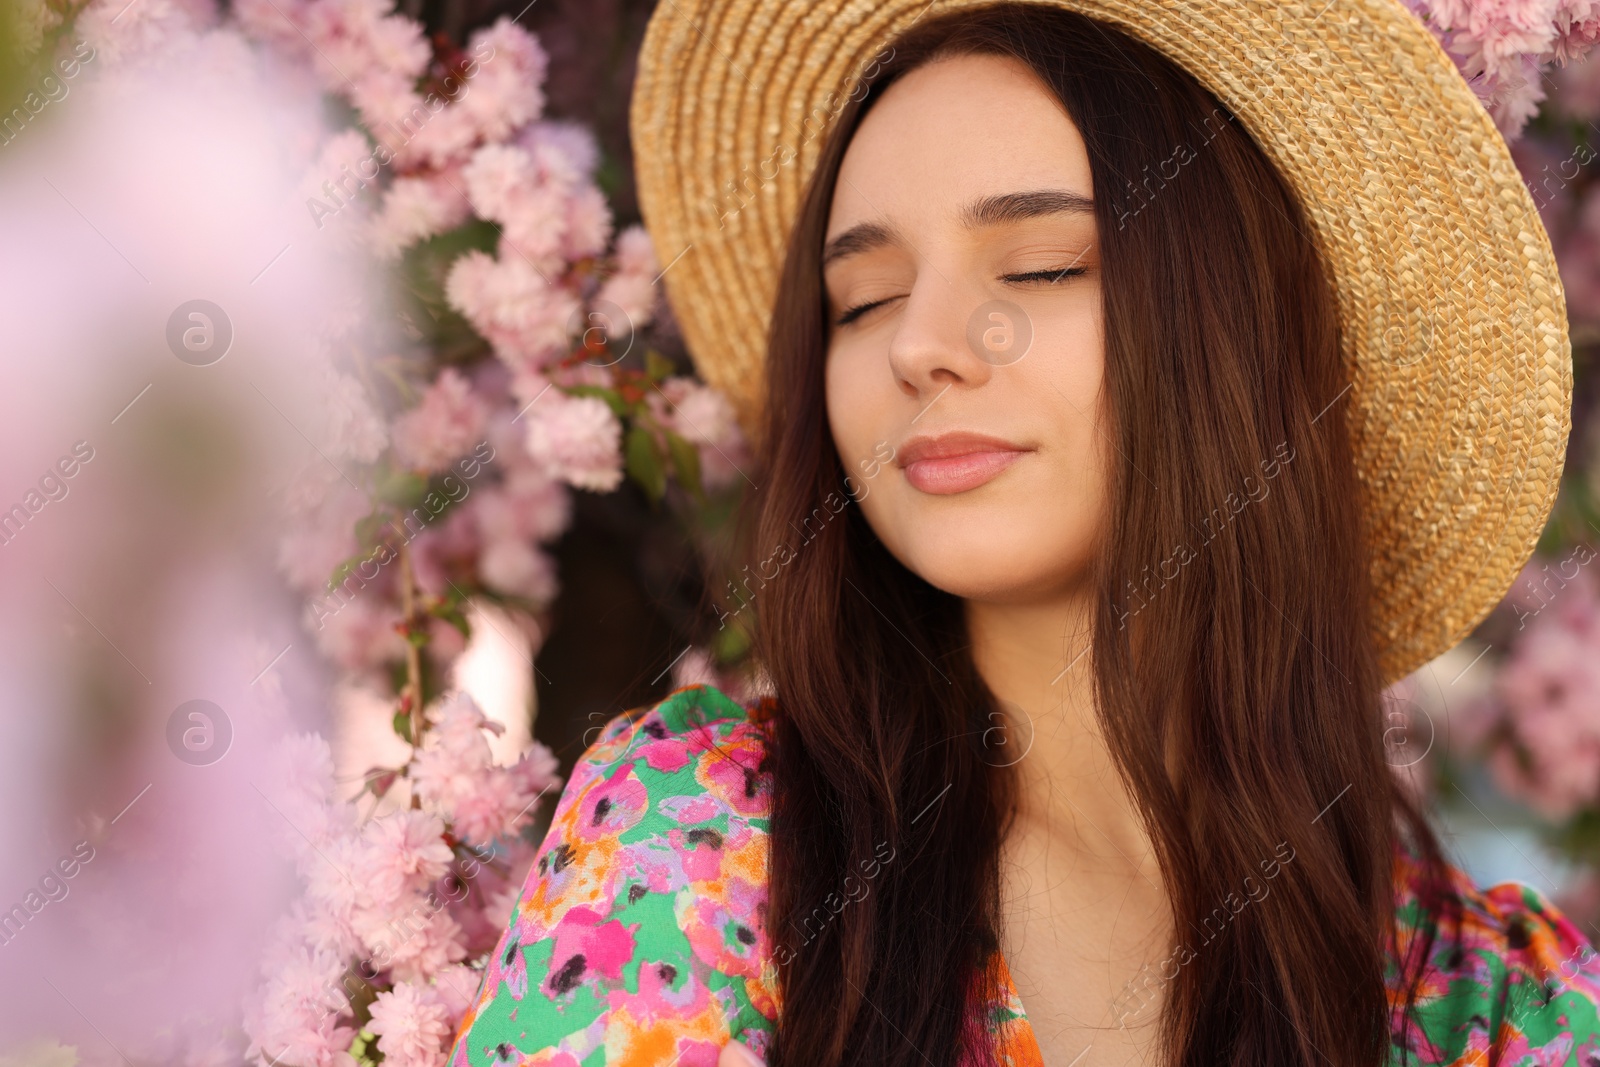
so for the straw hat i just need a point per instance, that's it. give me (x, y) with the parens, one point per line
(1454, 318)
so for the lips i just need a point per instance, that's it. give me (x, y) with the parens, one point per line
(956, 462)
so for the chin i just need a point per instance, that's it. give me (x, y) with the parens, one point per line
(989, 565)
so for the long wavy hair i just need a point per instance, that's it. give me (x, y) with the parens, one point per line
(1234, 670)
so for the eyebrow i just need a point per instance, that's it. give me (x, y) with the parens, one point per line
(985, 211)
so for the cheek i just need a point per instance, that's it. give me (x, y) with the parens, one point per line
(858, 409)
(1038, 526)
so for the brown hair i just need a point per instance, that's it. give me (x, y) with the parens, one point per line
(1234, 670)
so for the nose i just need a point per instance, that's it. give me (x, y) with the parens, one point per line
(932, 346)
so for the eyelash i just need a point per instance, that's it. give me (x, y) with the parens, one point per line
(852, 314)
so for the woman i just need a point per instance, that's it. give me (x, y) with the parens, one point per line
(1079, 569)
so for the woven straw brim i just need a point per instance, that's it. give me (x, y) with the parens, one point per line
(1454, 320)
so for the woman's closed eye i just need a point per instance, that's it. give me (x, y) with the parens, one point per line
(1051, 275)
(852, 314)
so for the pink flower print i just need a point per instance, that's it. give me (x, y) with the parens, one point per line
(612, 806)
(701, 852)
(559, 867)
(659, 1024)
(727, 932)
(734, 779)
(1514, 1047)
(657, 997)
(584, 946)
(667, 755)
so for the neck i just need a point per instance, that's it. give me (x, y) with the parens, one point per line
(1035, 657)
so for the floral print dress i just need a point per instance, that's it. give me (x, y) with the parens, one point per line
(639, 940)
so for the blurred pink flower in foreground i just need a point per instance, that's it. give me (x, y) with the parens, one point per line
(407, 491)
(397, 901)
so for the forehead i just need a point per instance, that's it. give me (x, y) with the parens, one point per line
(954, 129)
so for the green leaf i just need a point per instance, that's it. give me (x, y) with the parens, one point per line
(342, 571)
(402, 725)
(656, 366)
(423, 269)
(619, 408)
(686, 464)
(450, 613)
(368, 528)
(431, 679)
(403, 489)
(644, 462)
(730, 643)
(397, 675)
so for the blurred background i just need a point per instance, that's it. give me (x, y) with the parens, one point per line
(353, 475)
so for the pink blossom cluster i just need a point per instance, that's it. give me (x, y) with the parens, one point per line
(578, 440)
(1503, 46)
(423, 130)
(454, 774)
(489, 534)
(1540, 722)
(526, 301)
(375, 58)
(540, 189)
(399, 908)
(394, 905)
(356, 625)
(704, 417)
(444, 426)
